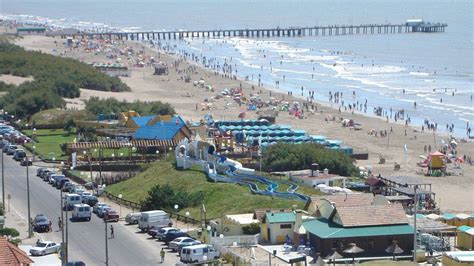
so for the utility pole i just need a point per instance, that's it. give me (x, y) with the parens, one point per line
(106, 245)
(63, 244)
(414, 223)
(66, 254)
(3, 184)
(30, 232)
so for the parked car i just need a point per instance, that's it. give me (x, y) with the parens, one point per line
(26, 162)
(51, 177)
(85, 194)
(11, 149)
(6, 147)
(61, 182)
(102, 209)
(70, 200)
(44, 174)
(19, 155)
(67, 186)
(78, 190)
(170, 236)
(4, 142)
(89, 200)
(56, 179)
(81, 212)
(41, 223)
(132, 218)
(97, 206)
(161, 232)
(40, 170)
(42, 248)
(180, 242)
(111, 215)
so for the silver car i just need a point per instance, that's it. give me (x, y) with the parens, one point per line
(132, 218)
(42, 248)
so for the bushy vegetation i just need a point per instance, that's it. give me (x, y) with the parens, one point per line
(165, 197)
(6, 87)
(287, 156)
(251, 229)
(54, 78)
(113, 106)
(6, 231)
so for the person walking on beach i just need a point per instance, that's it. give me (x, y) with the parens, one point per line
(162, 255)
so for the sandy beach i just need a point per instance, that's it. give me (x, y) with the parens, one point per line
(453, 193)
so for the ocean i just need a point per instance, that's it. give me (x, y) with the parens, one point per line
(392, 71)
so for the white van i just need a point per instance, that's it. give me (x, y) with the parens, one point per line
(198, 254)
(70, 200)
(81, 212)
(151, 219)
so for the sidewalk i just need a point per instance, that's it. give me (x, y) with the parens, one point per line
(14, 220)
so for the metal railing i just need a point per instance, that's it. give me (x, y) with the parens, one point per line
(124, 202)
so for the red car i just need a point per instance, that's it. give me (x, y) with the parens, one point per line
(111, 215)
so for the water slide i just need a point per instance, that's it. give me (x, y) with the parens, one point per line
(222, 169)
(245, 176)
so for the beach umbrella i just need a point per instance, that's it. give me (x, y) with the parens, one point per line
(394, 249)
(353, 249)
(333, 256)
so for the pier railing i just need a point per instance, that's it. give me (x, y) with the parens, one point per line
(329, 30)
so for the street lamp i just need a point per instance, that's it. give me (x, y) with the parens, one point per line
(30, 227)
(157, 154)
(3, 184)
(209, 231)
(176, 210)
(34, 152)
(54, 164)
(187, 222)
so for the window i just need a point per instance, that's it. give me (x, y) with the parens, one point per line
(285, 226)
(205, 250)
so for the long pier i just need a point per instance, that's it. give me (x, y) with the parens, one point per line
(365, 29)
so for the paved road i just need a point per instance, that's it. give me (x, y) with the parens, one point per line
(86, 239)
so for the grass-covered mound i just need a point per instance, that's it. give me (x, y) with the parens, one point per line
(59, 116)
(219, 198)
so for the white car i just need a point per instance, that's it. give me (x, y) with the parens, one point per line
(42, 248)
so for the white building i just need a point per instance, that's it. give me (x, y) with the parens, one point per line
(231, 225)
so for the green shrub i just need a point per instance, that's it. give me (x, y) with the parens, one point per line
(165, 197)
(113, 106)
(251, 229)
(288, 156)
(9, 232)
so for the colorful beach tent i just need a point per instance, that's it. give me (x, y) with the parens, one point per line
(436, 159)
